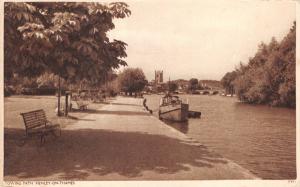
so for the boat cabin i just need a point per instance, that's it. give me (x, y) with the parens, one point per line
(170, 100)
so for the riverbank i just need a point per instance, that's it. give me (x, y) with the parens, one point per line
(119, 141)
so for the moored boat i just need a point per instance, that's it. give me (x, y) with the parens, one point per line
(173, 108)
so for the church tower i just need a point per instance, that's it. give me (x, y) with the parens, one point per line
(159, 77)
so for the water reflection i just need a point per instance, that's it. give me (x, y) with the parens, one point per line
(181, 126)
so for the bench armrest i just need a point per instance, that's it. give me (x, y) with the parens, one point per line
(47, 123)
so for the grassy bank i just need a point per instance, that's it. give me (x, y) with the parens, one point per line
(14, 128)
(15, 105)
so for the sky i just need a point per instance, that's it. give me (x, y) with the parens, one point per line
(198, 38)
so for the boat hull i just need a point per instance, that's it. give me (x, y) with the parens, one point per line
(177, 112)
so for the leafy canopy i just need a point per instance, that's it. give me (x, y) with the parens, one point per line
(193, 84)
(269, 77)
(67, 39)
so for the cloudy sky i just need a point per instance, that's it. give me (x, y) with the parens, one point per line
(197, 38)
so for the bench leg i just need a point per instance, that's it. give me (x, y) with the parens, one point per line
(56, 132)
(43, 140)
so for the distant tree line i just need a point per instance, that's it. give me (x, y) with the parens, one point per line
(269, 77)
(130, 80)
(46, 84)
(193, 86)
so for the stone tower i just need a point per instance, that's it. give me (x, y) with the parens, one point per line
(159, 77)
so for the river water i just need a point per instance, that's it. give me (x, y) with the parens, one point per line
(261, 139)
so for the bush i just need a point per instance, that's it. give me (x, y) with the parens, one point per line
(205, 92)
(8, 91)
(39, 91)
(28, 91)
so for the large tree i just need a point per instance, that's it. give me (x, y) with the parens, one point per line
(67, 39)
(132, 80)
(172, 86)
(228, 82)
(193, 84)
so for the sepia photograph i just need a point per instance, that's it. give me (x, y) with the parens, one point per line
(148, 90)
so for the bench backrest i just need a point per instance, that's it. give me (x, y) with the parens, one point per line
(34, 119)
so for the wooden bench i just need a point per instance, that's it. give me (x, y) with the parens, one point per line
(36, 124)
(81, 105)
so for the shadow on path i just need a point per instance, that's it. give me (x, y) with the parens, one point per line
(79, 119)
(78, 154)
(124, 104)
(119, 112)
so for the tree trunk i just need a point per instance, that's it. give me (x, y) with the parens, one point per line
(67, 104)
(58, 99)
